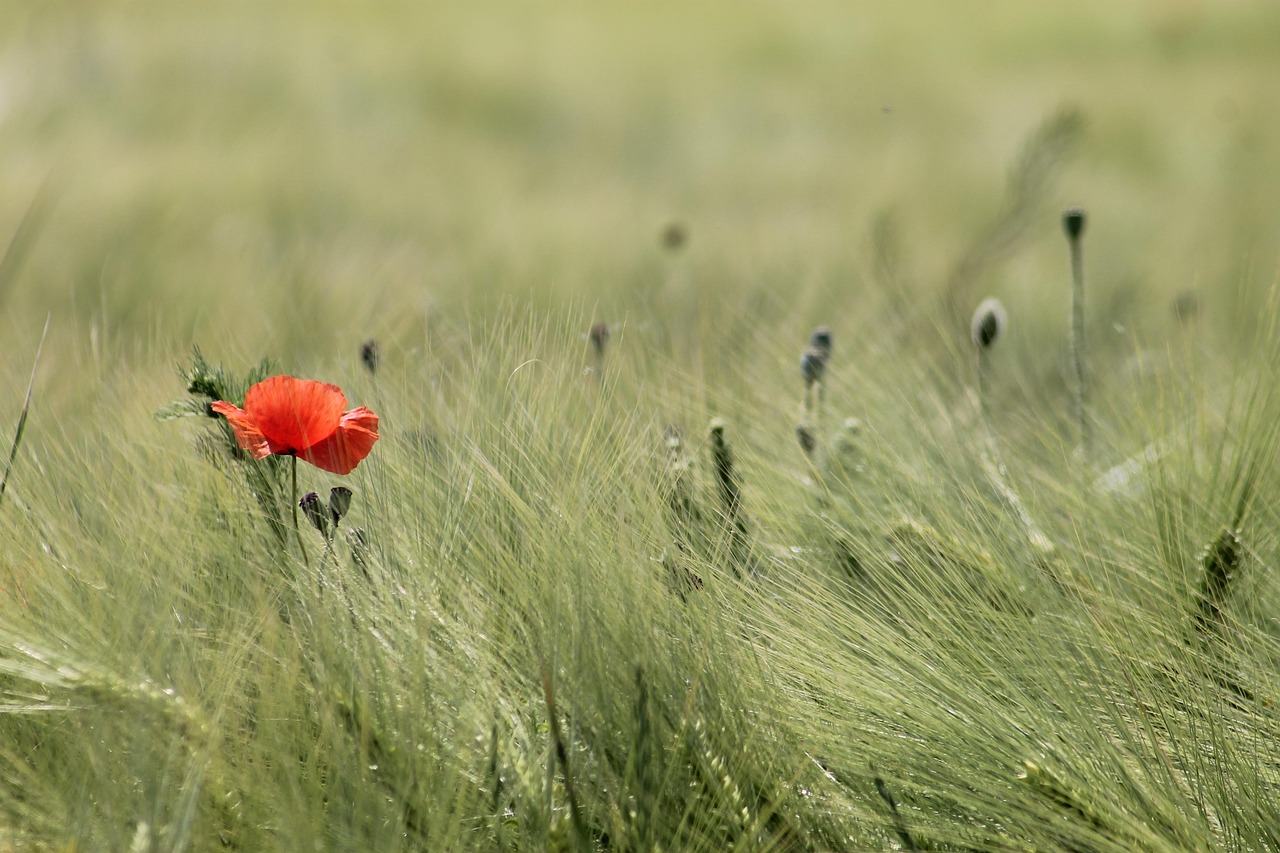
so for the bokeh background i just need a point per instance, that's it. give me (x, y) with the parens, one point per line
(287, 180)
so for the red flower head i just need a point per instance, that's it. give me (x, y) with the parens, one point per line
(303, 418)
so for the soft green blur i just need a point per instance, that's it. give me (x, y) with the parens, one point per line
(1021, 639)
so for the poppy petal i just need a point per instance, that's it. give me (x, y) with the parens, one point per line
(341, 452)
(248, 436)
(294, 414)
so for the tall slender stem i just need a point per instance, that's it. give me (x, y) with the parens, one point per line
(297, 532)
(1077, 341)
(1073, 222)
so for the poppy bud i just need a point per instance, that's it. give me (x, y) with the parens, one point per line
(988, 323)
(821, 340)
(805, 435)
(1073, 222)
(674, 236)
(599, 336)
(339, 502)
(813, 364)
(313, 508)
(369, 355)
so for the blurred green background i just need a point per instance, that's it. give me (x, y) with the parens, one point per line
(287, 180)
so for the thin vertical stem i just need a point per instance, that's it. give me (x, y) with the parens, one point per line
(1077, 341)
(297, 532)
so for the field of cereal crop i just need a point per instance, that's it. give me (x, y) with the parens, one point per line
(712, 505)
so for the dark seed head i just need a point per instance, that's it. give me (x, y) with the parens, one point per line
(1073, 222)
(1186, 305)
(370, 356)
(813, 364)
(805, 435)
(313, 508)
(599, 337)
(821, 340)
(988, 323)
(674, 236)
(339, 502)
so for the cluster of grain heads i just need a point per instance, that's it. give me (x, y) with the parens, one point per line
(899, 827)
(1092, 822)
(1220, 565)
(1073, 222)
(581, 832)
(686, 518)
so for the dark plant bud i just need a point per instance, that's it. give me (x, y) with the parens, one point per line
(674, 236)
(1073, 222)
(988, 323)
(339, 502)
(821, 340)
(599, 337)
(313, 508)
(813, 364)
(805, 435)
(370, 355)
(1186, 305)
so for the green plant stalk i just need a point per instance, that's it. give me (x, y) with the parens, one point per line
(297, 532)
(22, 418)
(1077, 342)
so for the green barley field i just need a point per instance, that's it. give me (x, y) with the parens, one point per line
(619, 573)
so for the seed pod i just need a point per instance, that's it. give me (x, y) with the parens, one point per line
(988, 323)
(674, 236)
(1073, 221)
(339, 502)
(599, 337)
(313, 508)
(820, 340)
(370, 355)
(805, 435)
(813, 364)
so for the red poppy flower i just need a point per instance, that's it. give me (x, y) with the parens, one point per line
(302, 418)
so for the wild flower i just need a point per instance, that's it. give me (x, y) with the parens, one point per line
(304, 419)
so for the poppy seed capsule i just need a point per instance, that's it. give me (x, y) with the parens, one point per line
(813, 364)
(370, 356)
(805, 435)
(821, 340)
(674, 237)
(313, 508)
(988, 323)
(1073, 222)
(339, 502)
(599, 336)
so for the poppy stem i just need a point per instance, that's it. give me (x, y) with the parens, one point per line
(296, 531)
